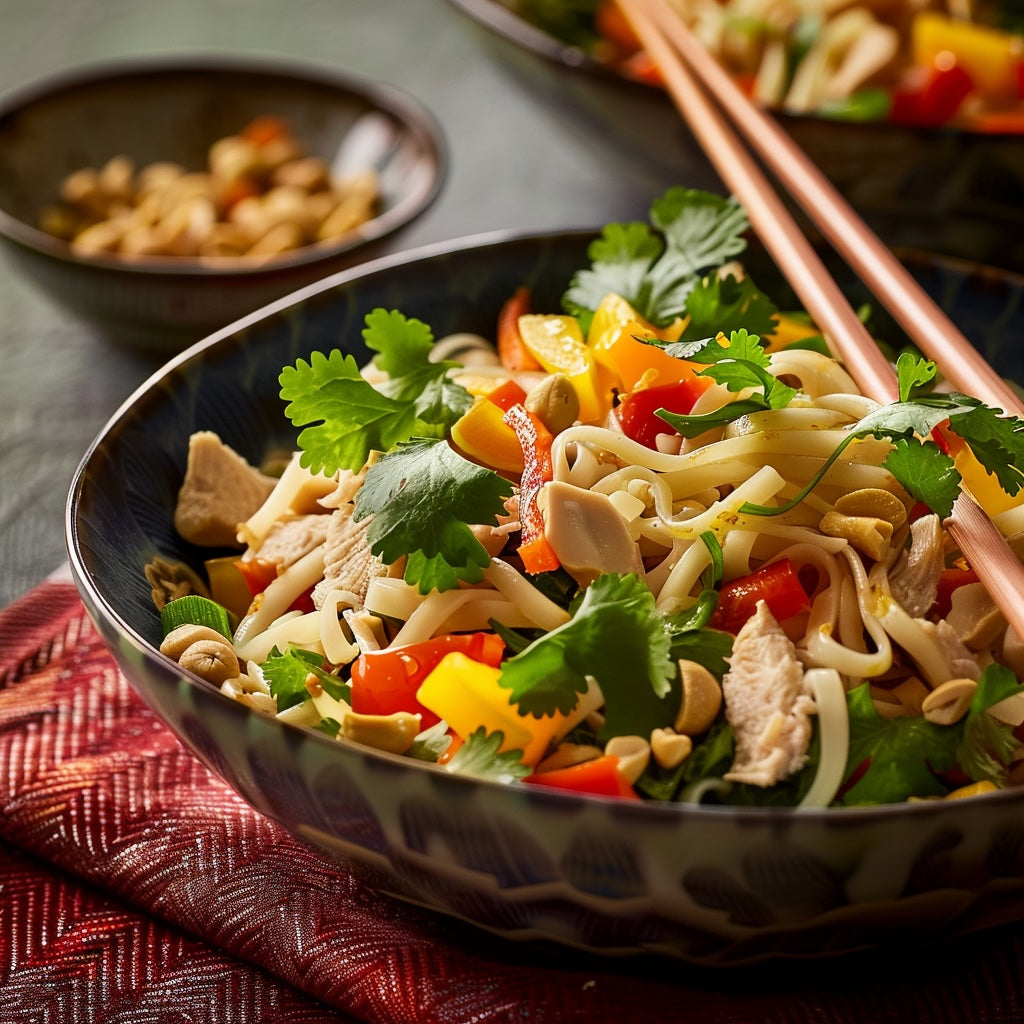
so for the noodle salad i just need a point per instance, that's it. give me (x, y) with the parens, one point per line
(653, 546)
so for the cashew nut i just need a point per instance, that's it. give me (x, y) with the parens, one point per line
(670, 748)
(702, 699)
(868, 534)
(182, 637)
(948, 702)
(393, 733)
(874, 503)
(212, 660)
(633, 752)
(554, 402)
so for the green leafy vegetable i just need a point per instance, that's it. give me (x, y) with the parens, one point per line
(903, 755)
(656, 273)
(421, 496)
(616, 636)
(286, 675)
(344, 418)
(987, 744)
(725, 305)
(479, 756)
(741, 365)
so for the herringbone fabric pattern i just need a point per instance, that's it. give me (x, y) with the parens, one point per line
(136, 888)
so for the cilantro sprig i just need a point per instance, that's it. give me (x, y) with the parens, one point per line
(615, 635)
(420, 497)
(740, 365)
(656, 267)
(343, 418)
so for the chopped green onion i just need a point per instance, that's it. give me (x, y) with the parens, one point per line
(195, 610)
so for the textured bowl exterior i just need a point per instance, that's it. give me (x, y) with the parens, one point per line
(173, 109)
(712, 886)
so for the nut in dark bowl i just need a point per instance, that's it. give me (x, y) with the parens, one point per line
(141, 195)
(711, 884)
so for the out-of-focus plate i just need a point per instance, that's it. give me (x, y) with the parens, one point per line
(945, 190)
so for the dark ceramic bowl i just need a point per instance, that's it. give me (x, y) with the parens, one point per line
(710, 885)
(171, 108)
(944, 190)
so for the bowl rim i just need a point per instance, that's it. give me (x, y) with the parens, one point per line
(467, 244)
(403, 107)
(503, 20)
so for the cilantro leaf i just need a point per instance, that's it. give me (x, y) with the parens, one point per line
(987, 745)
(655, 274)
(478, 756)
(343, 417)
(286, 675)
(727, 304)
(614, 635)
(996, 441)
(927, 473)
(430, 744)
(902, 755)
(421, 496)
(913, 373)
(403, 347)
(739, 366)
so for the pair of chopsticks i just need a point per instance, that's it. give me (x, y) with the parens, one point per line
(692, 77)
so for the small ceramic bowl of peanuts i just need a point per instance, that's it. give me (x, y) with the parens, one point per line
(162, 200)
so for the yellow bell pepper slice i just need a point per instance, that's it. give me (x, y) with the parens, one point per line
(556, 342)
(988, 55)
(611, 338)
(483, 435)
(466, 694)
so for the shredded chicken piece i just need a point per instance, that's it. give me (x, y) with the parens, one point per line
(963, 664)
(348, 562)
(220, 490)
(767, 703)
(914, 580)
(289, 539)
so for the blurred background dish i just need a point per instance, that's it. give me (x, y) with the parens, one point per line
(173, 109)
(920, 184)
(711, 885)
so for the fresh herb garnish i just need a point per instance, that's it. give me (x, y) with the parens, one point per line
(615, 635)
(740, 365)
(479, 756)
(655, 272)
(344, 418)
(286, 675)
(421, 497)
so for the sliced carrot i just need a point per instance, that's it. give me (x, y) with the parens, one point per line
(512, 352)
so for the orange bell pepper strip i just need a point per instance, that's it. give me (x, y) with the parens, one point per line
(512, 352)
(535, 439)
(601, 777)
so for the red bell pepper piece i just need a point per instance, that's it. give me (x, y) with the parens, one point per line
(936, 101)
(386, 681)
(504, 396)
(535, 440)
(512, 351)
(600, 777)
(950, 580)
(777, 584)
(259, 573)
(637, 413)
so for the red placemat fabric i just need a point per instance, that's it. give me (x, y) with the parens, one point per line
(135, 886)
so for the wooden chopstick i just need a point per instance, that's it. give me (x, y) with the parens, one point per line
(671, 47)
(889, 280)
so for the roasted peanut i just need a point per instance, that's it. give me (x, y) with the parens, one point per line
(702, 699)
(948, 702)
(633, 752)
(554, 402)
(213, 660)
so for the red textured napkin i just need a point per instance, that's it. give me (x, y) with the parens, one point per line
(135, 886)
